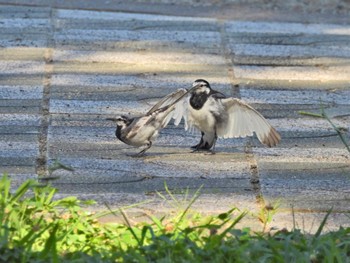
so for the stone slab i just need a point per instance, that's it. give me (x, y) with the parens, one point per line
(331, 73)
(11, 10)
(22, 67)
(310, 186)
(289, 28)
(21, 92)
(22, 53)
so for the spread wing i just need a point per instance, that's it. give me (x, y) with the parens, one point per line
(168, 100)
(243, 120)
(149, 124)
(181, 112)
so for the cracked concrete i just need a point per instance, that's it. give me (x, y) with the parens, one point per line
(63, 71)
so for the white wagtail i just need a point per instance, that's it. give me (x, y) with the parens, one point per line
(141, 131)
(215, 116)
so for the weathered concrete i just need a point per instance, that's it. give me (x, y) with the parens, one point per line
(63, 72)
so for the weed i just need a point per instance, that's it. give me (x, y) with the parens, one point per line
(339, 130)
(37, 228)
(266, 214)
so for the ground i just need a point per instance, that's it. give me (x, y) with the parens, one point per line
(68, 65)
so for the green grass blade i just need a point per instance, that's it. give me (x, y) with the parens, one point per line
(32, 234)
(161, 196)
(144, 233)
(170, 193)
(5, 185)
(323, 223)
(325, 116)
(194, 198)
(50, 196)
(22, 189)
(306, 113)
(130, 228)
(114, 211)
(235, 222)
(127, 223)
(51, 245)
(293, 216)
(57, 165)
(157, 222)
(338, 131)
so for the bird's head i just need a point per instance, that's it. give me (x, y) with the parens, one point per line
(121, 121)
(201, 86)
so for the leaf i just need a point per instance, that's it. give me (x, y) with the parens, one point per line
(311, 114)
(194, 198)
(57, 165)
(22, 189)
(51, 245)
(323, 223)
(5, 184)
(144, 232)
(225, 215)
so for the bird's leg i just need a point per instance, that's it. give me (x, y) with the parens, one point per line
(206, 143)
(212, 151)
(142, 153)
(148, 145)
(197, 146)
(214, 143)
(201, 146)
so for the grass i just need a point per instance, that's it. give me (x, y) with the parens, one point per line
(37, 228)
(339, 130)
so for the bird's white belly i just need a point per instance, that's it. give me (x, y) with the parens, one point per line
(202, 119)
(143, 137)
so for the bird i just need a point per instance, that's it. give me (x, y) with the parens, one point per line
(217, 116)
(141, 131)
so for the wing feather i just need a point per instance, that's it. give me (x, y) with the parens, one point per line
(167, 100)
(136, 126)
(243, 120)
(177, 113)
(181, 112)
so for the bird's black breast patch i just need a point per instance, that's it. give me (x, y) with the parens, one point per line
(118, 132)
(197, 100)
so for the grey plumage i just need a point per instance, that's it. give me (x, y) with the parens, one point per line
(142, 130)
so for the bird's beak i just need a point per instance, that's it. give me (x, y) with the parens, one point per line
(195, 87)
(111, 119)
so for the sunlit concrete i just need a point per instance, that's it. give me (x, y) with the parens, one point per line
(63, 72)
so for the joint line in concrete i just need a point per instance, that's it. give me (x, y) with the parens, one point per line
(41, 161)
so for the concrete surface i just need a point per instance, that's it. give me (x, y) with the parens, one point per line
(63, 70)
